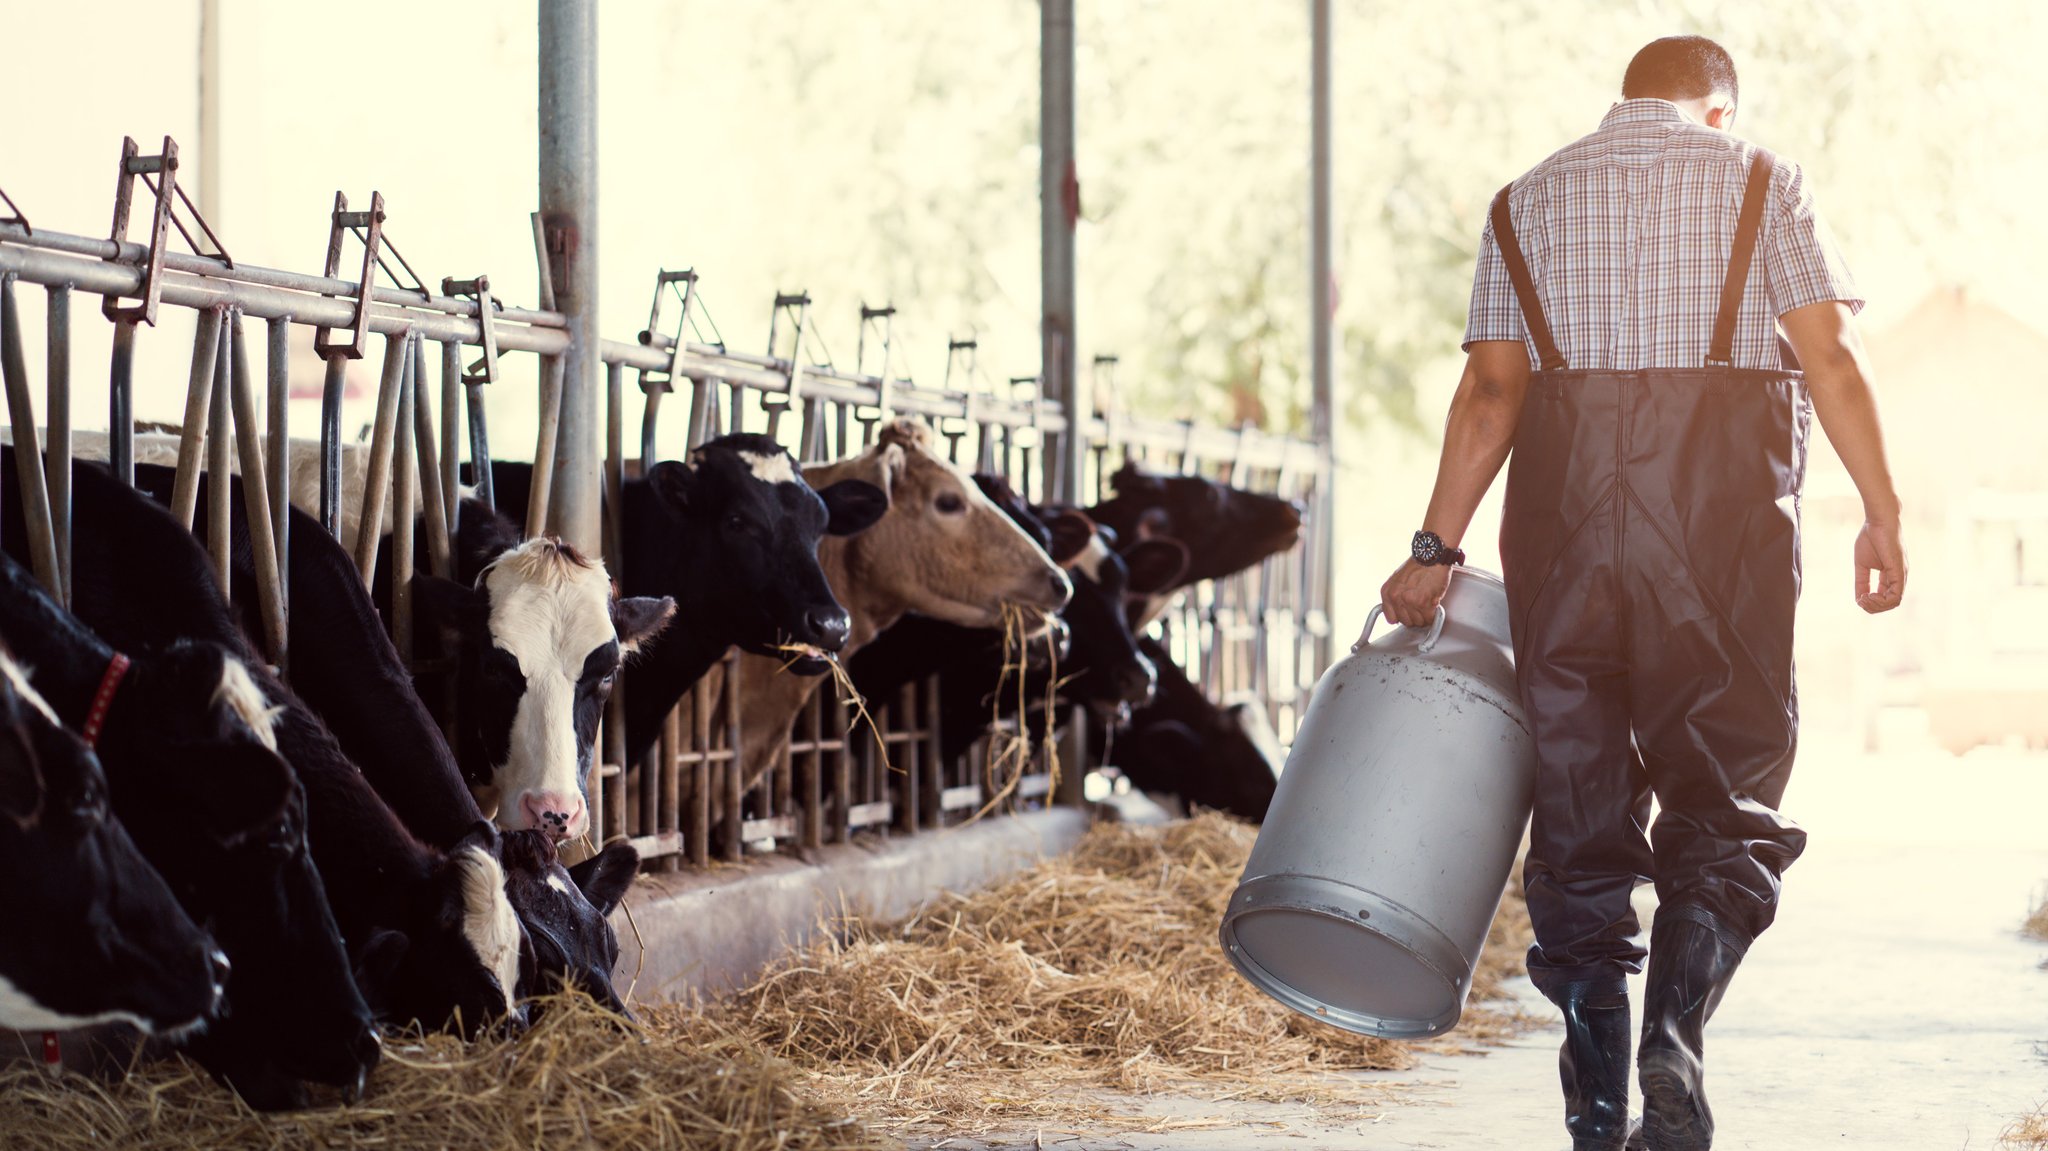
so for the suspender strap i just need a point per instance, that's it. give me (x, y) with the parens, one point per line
(1722, 353)
(1525, 288)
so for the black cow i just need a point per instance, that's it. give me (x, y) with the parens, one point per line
(345, 668)
(1226, 529)
(1183, 744)
(96, 935)
(732, 535)
(144, 582)
(187, 744)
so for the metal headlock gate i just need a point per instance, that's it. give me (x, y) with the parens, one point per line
(1260, 632)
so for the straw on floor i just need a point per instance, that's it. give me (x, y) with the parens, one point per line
(580, 1078)
(1092, 973)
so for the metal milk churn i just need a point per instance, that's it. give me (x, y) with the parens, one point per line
(1383, 858)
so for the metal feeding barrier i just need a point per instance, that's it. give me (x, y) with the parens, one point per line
(1256, 633)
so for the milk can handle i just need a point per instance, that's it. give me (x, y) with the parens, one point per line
(1429, 641)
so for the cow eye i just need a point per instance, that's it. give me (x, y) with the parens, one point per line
(950, 503)
(735, 522)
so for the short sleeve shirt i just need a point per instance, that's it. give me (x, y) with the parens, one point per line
(1627, 234)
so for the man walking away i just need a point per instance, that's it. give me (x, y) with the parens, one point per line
(1624, 342)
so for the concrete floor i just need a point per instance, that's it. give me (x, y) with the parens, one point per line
(1893, 1006)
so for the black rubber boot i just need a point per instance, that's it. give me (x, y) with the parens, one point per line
(1692, 959)
(1593, 1064)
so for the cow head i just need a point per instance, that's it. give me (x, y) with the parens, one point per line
(743, 557)
(565, 913)
(1105, 670)
(542, 638)
(96, 935)
(1226, 529)
(455, 963)
(211, 803)
(944, 549)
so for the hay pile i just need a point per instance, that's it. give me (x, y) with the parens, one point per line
(579, 1078)
(2031, 1131)
(2036, 926)
(1095, 972)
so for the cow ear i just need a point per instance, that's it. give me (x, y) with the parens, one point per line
(639, 618)
(1131, 479)
(604, 877)
(483, 834)
(1071, 533)
(673, 482)
(447, 603)
(853, 506)
(1156, 565)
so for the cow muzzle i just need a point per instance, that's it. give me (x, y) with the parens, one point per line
(557, 814)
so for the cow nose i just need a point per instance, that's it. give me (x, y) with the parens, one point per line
(551, 812)
(368, 1049)
(1135, 683)
(830, 627)
(221, 968)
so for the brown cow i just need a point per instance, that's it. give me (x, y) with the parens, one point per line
(943, 549)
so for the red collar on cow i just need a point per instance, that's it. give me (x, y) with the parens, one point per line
(109, 683)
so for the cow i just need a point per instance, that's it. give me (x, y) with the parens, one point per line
(187, 743)
(539, 640)
(1101, 666)
(143, 581)
(346, 670)
(97, 936)
(732, 535)
(567, 913)
(942, 549)
(1184, 746)
(1225, 529)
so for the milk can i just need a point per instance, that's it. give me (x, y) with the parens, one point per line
(1384, 855)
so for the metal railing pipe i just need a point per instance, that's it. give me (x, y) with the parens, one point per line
(57, 413)
(28, 462)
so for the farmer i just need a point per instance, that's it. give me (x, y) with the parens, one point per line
(1623, 341)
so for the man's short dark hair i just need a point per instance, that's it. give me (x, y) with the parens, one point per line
(1680, 68)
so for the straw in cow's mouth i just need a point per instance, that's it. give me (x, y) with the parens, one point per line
(848, 695)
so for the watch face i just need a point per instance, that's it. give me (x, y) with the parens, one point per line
(1427, 547)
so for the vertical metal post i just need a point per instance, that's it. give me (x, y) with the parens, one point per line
(568, 214)
(568, 208)
(57, 412)
(220, 441)
(1059, 208)
(451, 434)
(121, 403)
(277, 407)
(209, 111)
(1322, 297)
(28, 462)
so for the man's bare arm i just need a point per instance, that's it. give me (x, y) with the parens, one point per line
(1478, 435)
(1831, 351)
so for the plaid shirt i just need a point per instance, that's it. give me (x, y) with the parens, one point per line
(1627, 234)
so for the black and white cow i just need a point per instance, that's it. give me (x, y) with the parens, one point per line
(731, 534)
(540, 639)
(144, 582)
(345, 668)
(95, 936)
(192, 769)
(568, 909)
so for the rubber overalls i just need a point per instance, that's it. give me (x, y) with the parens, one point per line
(1651, 551)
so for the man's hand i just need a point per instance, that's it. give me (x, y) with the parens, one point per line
(1879, 552)
(1412, 594)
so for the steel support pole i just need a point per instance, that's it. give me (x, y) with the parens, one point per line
(568, 208)
(1322, 297)
(1059, 207)
(568, 214)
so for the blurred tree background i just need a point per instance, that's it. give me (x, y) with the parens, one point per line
(915, 137)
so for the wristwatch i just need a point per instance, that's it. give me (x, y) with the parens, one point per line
(1429, 550)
